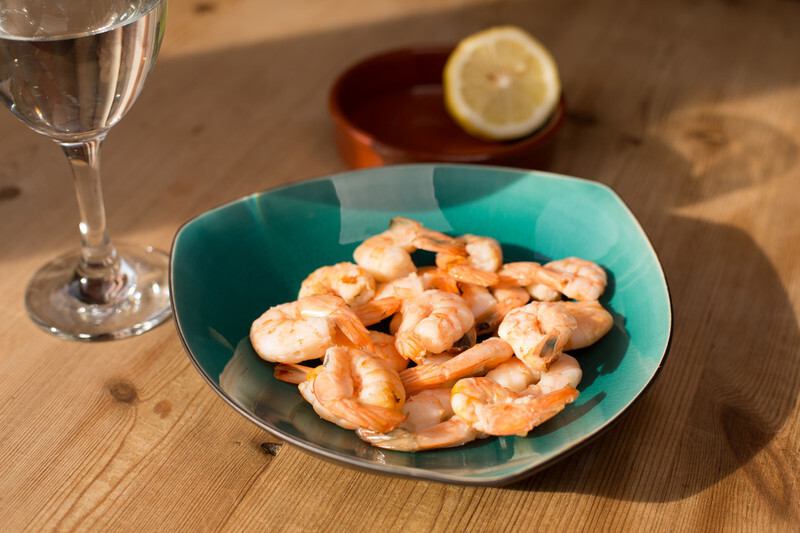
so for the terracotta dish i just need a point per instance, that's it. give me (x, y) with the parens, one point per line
(390, 109)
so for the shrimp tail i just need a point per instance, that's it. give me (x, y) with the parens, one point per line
(468, 274)
(543, 408)
(377, 310)
(292, 373)
(422, 377)
(409, 346)
(432, 241)
(348, 322)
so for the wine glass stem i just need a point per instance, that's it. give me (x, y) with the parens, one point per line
(98, 276)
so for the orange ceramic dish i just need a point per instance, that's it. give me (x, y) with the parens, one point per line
(390, 109)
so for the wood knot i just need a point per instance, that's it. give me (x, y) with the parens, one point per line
(711, 136)
(122, 391)
(162, 408)
(270, 448)
(204, 7)
(9, 192)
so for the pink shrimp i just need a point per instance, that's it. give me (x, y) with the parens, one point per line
(430, 423)
(538, 332)
(354, 388)
(387, 256)
(304, 329)
(474, 361)
(432, 323)
(495, 410)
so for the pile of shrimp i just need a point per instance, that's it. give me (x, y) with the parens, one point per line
(421, 357)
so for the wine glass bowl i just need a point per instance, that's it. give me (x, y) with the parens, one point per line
(70, 71)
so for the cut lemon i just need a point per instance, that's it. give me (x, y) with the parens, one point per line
(501, 84)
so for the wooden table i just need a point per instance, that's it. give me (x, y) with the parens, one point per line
(689, 110)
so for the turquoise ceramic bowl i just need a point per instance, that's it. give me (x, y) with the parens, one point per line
(230, 264)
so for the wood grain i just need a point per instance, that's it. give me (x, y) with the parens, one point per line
(689, 110)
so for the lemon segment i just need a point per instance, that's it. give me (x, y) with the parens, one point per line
(501, 84)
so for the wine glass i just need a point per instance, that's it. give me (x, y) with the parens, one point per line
(70, 70)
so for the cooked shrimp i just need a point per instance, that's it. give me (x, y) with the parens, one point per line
(538, 332)
(565, 372)
(426, 408)
(447, 434)
(483, 305)
(573, 277)
(543, 293)
(432, 323)
(524, 273)
(387, 256)
(479, 266)
(495, 410)
(353, 283)
(593, 323)
(476, 360)
(430, 423)
(385, 349)
(354, 388)
(439, 279)
(304, 329)
(509, 298)
(514, 374)
(404, 288)
(585, 280)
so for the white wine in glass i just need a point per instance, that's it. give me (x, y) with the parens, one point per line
(70, 69)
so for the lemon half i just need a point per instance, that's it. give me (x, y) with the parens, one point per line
(501, 84)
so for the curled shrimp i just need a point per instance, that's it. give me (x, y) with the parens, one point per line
(514, 374)
(439, 279)
(490, 306)
(509, 298)
(496, 410)
(430, 423)
(351, 282)
(538, 332)
(304, 329)
(387, 256)
(476, 360)
(426, 408)
(383, 348)
(585, 280)
(525, 273)
(432, 323)
(517, 376)
(573, 277)
(593, 323)
(404, 288)
(564, 372)
(484, 255)
(355, 389)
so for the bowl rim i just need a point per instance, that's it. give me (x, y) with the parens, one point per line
(415, 472)
(494, 151)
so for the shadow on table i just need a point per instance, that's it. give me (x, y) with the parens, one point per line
(731, 379)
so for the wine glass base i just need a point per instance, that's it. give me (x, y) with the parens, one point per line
(51, 303)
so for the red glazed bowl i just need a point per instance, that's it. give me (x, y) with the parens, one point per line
(389, 109)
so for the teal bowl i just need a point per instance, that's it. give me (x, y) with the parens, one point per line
(230, 264)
